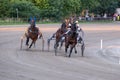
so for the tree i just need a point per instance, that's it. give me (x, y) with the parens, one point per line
(4, 8)
(56, 9)
(106, 6)
(63, 8)
(89, 4)
(71, 7)
(25, 8)
(41, 4)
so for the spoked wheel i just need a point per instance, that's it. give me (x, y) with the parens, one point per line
(82, 49)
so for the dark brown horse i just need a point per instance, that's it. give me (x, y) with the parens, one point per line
(32, 33)
(71, 41)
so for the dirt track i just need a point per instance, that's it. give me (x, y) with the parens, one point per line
(33, 64)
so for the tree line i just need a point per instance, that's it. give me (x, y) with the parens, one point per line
(56, 9)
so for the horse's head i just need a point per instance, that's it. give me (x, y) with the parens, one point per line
(67, 21)
(74, 27)
(73, 30)
(32, 23)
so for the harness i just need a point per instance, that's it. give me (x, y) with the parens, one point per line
(33, 30)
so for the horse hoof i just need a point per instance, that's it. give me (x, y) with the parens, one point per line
(75, 52)
(82, 56)
(69, 56)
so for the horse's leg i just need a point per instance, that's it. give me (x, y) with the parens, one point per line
(27, 41)
(71, 48)
(31, 44)
(75, 49)
(55, 47)
(34, 44)
(66, 47)
(61, 44)
(56, 44)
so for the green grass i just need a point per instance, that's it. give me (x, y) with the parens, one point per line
(20, 23)
(84, 22)
(6, 23)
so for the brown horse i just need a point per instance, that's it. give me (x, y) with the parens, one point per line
(33, 33)
(59, 34)
(58, 37)
(71, 41)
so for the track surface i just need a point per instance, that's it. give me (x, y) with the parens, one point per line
(33, 64)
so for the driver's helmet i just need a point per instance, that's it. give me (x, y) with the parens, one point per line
(76, 22)
(69, 24)
(33, 22)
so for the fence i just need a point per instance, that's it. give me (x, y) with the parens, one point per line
(96, 19)
(26, 20)
(39, 20)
